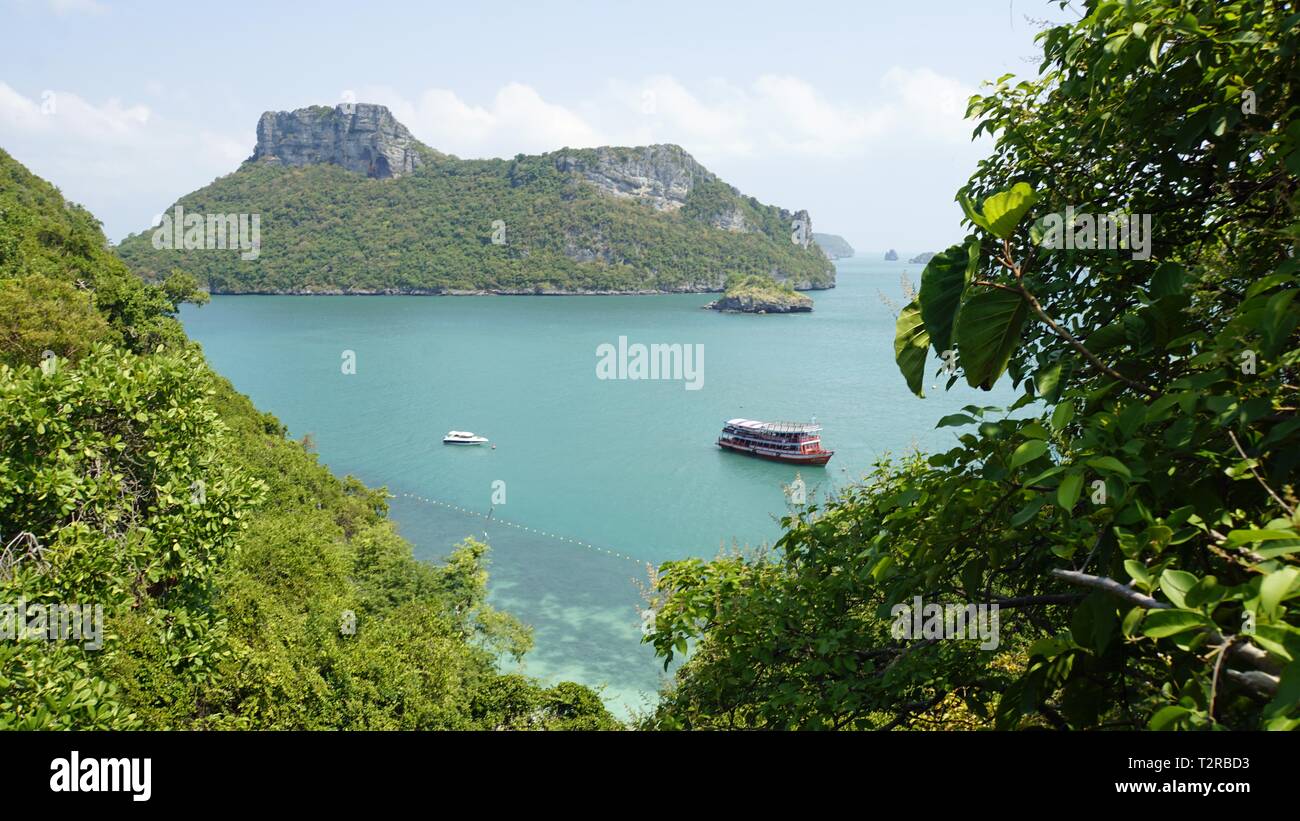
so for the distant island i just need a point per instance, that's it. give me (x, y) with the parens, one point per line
(759, 294)
(922, 258)
(835, 246)
(891, 255)
(348, 201)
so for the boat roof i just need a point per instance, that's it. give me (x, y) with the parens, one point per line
(459, 433)
(774, 427)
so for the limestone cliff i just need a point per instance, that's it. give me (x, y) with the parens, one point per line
(664, 177)
(360, 137)
(658, 175)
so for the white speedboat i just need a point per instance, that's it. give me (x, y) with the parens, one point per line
(463, 437)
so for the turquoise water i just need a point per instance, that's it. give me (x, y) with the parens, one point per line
(601, 477)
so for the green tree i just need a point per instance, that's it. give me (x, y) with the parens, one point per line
(1135, 518)
(241, 584)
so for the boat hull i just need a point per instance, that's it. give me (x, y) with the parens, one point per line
(815, 459)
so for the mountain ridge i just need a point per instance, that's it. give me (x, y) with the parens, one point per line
(350, 202)
(834, 245)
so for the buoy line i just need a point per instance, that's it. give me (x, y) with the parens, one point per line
(517, 526)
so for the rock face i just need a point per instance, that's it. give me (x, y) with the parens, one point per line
(663, 176)
(891, 255)
(361, 137)
(835, 246)
(658, 175)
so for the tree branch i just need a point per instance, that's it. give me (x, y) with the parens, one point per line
(1255, 473)
(1110, 586)
(1011, 265)
(1244, 650)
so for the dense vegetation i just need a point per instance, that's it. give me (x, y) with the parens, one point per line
(1135, 518)
(242, 585)
(324, 228)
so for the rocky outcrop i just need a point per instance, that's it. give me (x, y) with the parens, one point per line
(891, 255)
(361, 137)
(757, 294)
(663, 177)
(745, 304)
(922, 258)
(658, 175)
(730, 220)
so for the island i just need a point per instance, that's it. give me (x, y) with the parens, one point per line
(922, 258)
(891, 255)
(834, 245)
(760, 294)
(345, 200)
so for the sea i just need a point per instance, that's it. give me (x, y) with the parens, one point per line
(590, 480)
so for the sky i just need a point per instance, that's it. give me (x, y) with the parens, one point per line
(852, 110)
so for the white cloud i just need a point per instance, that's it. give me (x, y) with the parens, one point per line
(931, 102)
(63, 113)
(119, 159)
(772, 117)
(517, 120)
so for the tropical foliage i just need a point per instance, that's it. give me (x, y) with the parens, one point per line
(1134, 513)
(241, 584)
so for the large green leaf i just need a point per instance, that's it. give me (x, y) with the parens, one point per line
(1068, 493)
(1274, 589)
(1162, 623)
(1050, 380)
(975, 217)
(1028, 452)
(1109, 464)
(1168, 715)
(910, 343)
(942, 283)
(1003, 211)
(1175, 584)
(988, 330)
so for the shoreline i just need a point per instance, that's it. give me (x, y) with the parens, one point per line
(475, 292)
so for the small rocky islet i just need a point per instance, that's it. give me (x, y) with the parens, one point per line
(757, 294)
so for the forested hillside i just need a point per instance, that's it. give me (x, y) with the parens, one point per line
(242, 585)
(1135, 520)
(646, 219)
